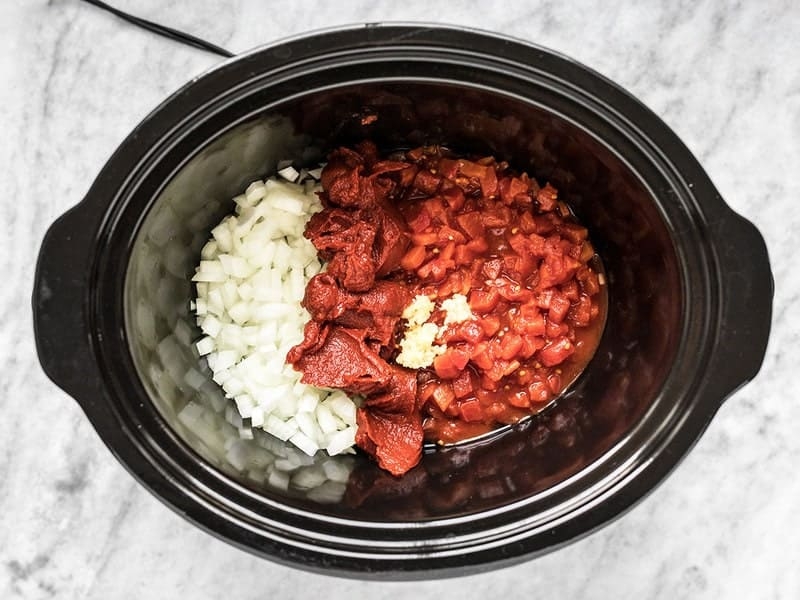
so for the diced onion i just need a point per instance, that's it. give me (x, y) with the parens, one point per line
(289, 173)
(250, 281)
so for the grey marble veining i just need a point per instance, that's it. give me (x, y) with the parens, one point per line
(724, 75)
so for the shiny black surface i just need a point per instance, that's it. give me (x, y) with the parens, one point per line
(689, 307)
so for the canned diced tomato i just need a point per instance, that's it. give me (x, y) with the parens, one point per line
(471, 411)
(462, 385)
(556, 352)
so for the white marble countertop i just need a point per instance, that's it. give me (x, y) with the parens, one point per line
(74, 524)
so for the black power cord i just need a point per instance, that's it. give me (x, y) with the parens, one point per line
(163, 30)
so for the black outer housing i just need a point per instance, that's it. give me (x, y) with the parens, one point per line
(80, 336)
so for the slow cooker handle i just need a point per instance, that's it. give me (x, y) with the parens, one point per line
(747, 292)
(59, 308)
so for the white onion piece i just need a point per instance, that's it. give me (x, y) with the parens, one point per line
(289, 173)
(205, 346)
(341, 441)
(305, 443)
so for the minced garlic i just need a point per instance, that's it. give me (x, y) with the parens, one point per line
(419, 310)
(456, 309)
(418, 347)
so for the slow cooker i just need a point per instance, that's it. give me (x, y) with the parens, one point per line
(689, 284)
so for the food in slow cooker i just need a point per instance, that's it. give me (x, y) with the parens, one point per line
(456, 295)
